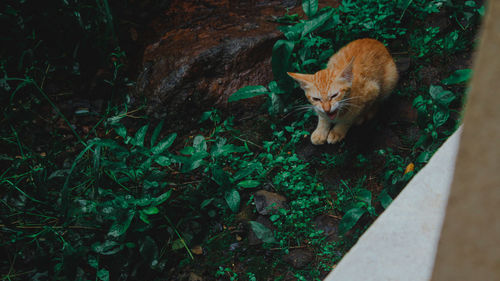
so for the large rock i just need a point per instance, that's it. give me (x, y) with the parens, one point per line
(209, 49)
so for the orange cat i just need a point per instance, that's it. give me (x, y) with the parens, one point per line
(358, 77)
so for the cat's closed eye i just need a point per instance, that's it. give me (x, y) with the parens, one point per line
(334, 95)
(316, 99)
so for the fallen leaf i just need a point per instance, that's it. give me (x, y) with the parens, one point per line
(409, 168)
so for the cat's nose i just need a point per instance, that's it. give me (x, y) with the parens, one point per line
(326, 107)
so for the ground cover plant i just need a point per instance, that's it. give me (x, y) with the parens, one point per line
(112, 194)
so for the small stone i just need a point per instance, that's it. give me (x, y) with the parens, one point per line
(197, 250)
(329, 226)
(194, 277)
(266, 201)
(299, 258)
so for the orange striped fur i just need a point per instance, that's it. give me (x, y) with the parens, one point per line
(358, 77)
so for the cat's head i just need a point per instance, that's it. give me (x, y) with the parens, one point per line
(326, 89)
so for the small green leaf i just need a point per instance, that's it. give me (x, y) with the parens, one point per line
(440, 117)
(164, 144)
(199, 144)
(262, 232)
(156, 133)
(470, 3)
(222, 178)
(385, 199)
(233, 200)
(103, 274)
(144, 217)
(480, 11)
(249, 183)
(248, 92)
(121, 130)
(350, 219)
(138, 139)
(151, 210)
(193, 162)
(92, 260)
(424, 157)
(440, 95)
(310, 7)
(108, 247)
(459, 76)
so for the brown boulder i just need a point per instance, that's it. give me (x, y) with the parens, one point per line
(209, 49)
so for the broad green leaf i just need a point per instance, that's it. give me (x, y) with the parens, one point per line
(108, 247)
(247, 171)
(248, 92)
(120, 227)
(222, 178)
(162, 198)
(223, 149)
(440, 117)
(364, 195)
(280, 62)
(459, 76)
(316, 23)
(138, 139)
(276, 104)
(249, 183)
(164, 144)
(385, 199)
(163, 161)
(350, 219)
(156, 133)
(233, 200)
(262, 232)
(310, 7)
(292, 32)
(103, 274)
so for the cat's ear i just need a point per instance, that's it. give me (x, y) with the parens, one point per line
(305, 80)
(347, 74)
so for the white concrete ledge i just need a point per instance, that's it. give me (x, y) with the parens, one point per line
(401, 244)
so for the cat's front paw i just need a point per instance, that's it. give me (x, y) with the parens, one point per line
(335, 136)
(318, 137)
